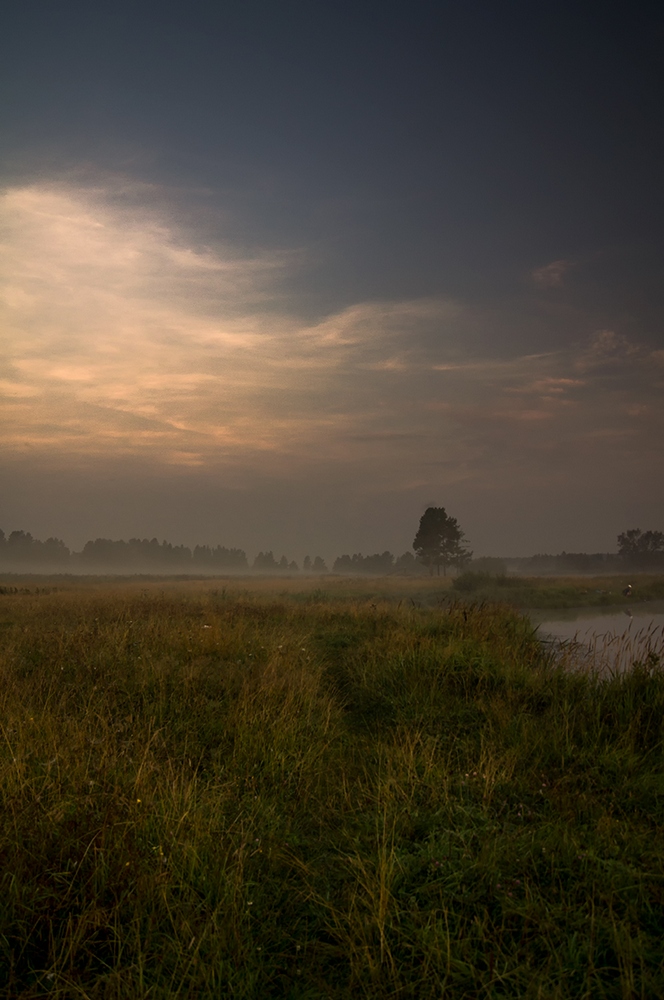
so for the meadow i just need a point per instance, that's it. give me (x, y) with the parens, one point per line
(560, 592)
(324, 789)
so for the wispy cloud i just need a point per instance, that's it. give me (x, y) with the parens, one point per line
(108, 315)
(122, 338)
(606, 348)
(551, 275)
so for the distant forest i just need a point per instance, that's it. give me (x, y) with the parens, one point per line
(20, 552)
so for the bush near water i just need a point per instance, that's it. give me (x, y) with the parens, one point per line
(252, 792)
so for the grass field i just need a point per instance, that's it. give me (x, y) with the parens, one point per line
(297, 790)
(419, 591)
(560, 592)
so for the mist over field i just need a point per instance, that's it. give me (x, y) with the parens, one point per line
(440, 542)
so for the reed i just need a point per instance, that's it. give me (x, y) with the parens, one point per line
(608, 653)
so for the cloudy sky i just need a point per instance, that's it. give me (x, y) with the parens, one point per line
(281, 275)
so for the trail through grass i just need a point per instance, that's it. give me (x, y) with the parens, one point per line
(213, 791)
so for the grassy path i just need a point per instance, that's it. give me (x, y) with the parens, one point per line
(208, 793)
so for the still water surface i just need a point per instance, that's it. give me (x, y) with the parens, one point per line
(611, 637)
(568, 623)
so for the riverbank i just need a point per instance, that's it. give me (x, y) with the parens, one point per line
(562, 592)
(211, 793)
(517, 591)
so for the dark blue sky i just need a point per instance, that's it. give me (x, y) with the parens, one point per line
(390, 153)
(442, 145)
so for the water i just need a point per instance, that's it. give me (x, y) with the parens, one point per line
(607, 639)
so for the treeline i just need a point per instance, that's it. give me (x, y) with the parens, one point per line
(20, 551)
(23, 549)
(266, 563)
(638, 552)
(544, 564)
(149, 553)
(590, 564)
(380, 564)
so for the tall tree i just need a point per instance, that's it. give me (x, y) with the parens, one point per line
(439, 540)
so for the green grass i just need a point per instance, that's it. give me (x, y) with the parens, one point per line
(212, 792)
(559, 592)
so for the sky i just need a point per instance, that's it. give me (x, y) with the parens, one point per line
(282, 275)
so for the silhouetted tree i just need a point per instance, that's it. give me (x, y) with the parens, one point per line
(53, 552)
(266, 561)
(219, 558)
(439, 540)
(306, 565)
(641, 548)
(379, 564)
(136, 554)
(319, 565)
(22, 549)
(20, 542)
(407, 563)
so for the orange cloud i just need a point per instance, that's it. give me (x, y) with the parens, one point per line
(121, 339)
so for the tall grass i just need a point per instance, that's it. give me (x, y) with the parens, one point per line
(610, 653)
(213, 793)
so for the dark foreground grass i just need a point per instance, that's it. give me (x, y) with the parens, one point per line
(208, 796)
